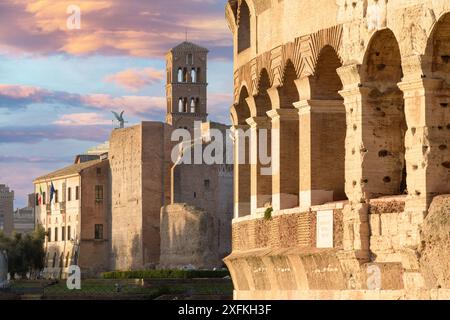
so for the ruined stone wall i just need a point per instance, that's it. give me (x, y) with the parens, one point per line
(209, 188)
(190, 238)
(125, 156)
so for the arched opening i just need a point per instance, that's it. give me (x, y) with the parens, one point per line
(180, 75)
(384, 135)
(437, 109)
(285, 138)
(440, 46)
(185, 105)
(185, 75)
(242, 168)
(180, 105)
(261, 170)
(327, 122)
(193, 105)
(244, 36)
(190, 59)
(193, 75)
(197, 104)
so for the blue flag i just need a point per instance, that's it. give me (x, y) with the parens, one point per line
(52, 192)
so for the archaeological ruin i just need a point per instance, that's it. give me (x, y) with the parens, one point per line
(351, 101)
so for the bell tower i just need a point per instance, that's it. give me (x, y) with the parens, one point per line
(186, 88)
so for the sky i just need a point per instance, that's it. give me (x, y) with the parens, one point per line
(58, 84)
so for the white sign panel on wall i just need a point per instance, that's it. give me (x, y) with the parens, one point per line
(324, 230)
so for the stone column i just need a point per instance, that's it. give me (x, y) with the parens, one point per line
(322, 151)
(285, 158)
(261, 178)
(241, 171)
(427, 149)
(356, 238)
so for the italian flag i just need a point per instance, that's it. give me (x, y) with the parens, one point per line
(40, 196)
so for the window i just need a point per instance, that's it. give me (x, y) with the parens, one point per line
(44, 198)
(37, 199)
(190, 59)
(98, 232)
(180, 75)
(244, 28)
(197, 75)
(207, 183)
(56, 234)
(49, 234)
(193, 75)
(77, 193)
(56, 196)
(180, 105)
(99, 171)
(69, 194)
(63, 234)
(192, 105)
(69, 235)
(98, 193)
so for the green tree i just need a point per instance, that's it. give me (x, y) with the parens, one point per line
(25, 252)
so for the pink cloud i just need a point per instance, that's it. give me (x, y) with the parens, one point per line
(132, 27)
(82, 119)
(13, 96)
(135, 79)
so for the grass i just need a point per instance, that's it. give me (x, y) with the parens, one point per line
(107, 289)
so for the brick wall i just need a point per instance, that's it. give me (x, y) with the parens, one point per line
(282, 231)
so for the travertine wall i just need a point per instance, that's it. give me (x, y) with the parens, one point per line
(370, 78)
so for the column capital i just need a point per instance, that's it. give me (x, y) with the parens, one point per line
(355, 89)
(420, 83)
(259, 122)
(274, 96)
(283, 114)
(319, 106)
(350, 75)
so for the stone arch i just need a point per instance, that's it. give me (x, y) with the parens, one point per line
(244, 28)
(261, 144)
(384, 133)
(242, 108)
(327, 82)
(324, 114)
(438, 50)
(288, 92)
(242, 179)
(285, 141)
(263, 103)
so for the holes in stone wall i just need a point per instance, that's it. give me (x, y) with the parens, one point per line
(387, 180)
(446, 164)
(383, 153)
